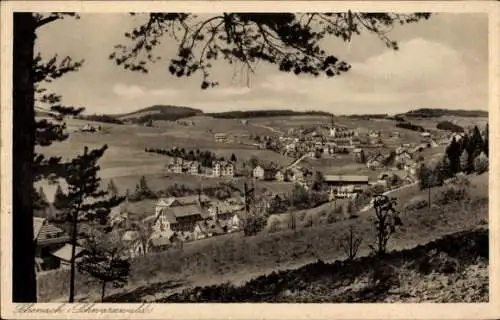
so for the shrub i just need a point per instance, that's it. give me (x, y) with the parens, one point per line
(253, 224)
(377, 189)
(301, 215)
(481, 163)
(273, 225)
(350, 207)
(452, 193)
(416, 203)
(338, 209)
(332, 217)
(309, 221)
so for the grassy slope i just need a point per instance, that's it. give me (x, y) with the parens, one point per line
(451, 269)
(239, 259)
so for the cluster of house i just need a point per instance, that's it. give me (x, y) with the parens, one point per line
(328, 141)
(175, 220)
(405, 157)
(190, 218)
(221, 138)
(269, 172)
(90, 128)
(218, 169)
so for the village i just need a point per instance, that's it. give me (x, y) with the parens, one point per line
(177, 220)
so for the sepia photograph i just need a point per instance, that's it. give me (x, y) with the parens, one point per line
(232, 154)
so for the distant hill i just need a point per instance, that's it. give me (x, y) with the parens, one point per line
(159, 112)
(434, 113)
(265, 113)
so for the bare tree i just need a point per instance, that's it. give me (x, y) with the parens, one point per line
(385, 222)
(105, 260)
(350, 243)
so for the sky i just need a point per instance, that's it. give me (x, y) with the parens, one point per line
(441, 63)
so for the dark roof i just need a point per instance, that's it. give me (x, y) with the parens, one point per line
(169, 214)
(48, 234)
(346, 178)
(188, 210)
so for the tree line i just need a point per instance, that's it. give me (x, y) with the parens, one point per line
(265, 113)
(450, 126)
(410, 126)
(435, 113)
(142, 191)
(100, 118)
(468, 155)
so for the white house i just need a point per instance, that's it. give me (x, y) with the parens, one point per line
(258, 172)
(425, 134)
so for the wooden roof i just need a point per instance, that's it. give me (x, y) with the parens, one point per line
(46, 233)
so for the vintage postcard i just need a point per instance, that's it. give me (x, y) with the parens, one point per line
(249, 159)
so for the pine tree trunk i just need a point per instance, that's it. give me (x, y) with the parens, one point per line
(23, 259)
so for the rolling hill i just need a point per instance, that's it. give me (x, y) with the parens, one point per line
(159, 112)
(435, 113)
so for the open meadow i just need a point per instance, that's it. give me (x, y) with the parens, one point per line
(126, 161)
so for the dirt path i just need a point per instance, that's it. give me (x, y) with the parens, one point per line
(370, 205)
(270, 128)
(298, 161)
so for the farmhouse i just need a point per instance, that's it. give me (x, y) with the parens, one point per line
(176, 165)
(132, 242)
(194, 167)
(182, 218)
(359, 155)
(258, 172)
(223, 169)
(376, 161)
(342, 132)
(220, 210)
(344, 186)
(220, 138)
(207, 228)
(425, 134)
(403, 156)
(295, 175)
(411, 167)
(64, 255)
(48, 239)
(280, 175)
(164, 203)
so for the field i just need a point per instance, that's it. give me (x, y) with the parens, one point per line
(125, 161)
(237, 259)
